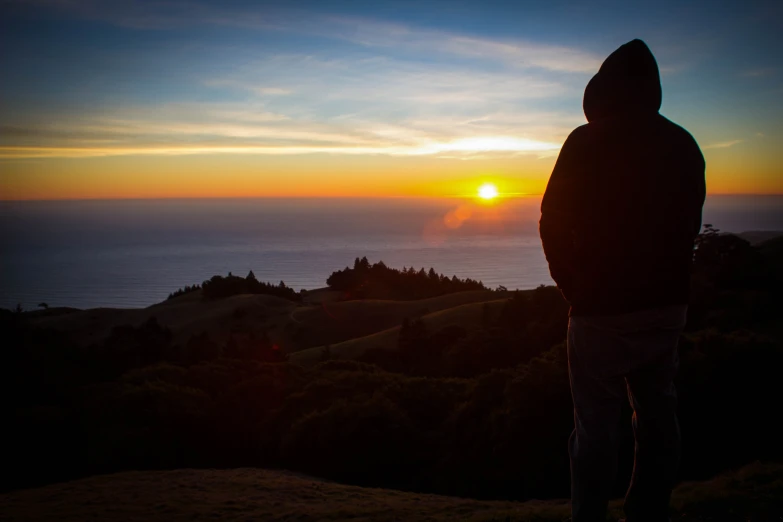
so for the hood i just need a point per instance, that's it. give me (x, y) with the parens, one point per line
(628, 82)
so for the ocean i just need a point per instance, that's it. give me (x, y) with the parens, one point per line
(132, 253)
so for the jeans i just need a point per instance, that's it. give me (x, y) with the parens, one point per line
(610, 358)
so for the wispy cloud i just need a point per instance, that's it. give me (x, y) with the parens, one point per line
(366, 32)
(519, 53)
(470, 97)
(181, 129)
(761, 72)
(463, 149)
(359, 105)
(723, 144)
(363, 78)
(137, 137)
(259, 90)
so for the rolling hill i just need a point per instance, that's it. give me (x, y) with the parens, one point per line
(292, 326)
(466, 315)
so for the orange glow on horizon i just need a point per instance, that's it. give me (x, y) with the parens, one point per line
(329, 176)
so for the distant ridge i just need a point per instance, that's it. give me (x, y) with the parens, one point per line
(756, 237)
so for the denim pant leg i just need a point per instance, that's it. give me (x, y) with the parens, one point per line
(657, 433)
(597, 366)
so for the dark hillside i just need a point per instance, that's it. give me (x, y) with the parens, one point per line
(477, 389)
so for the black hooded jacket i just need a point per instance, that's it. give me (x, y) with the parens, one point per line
(623, 205)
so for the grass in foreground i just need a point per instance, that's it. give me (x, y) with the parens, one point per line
(754, 493)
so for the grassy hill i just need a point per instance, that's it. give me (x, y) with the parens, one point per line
(292, 326)
(185, 315)
(754, 493)
(337, 322)
(467, 315)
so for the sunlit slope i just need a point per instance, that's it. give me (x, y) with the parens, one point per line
(333, 323)
(467, 316)
(292, 326)
(185, 316)
(754, 493)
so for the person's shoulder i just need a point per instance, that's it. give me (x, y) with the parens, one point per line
(579, 135)
(679, 132)
(581, 131)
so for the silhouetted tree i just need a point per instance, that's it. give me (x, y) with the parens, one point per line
(184, 290)
(379, 281)
(218, 287)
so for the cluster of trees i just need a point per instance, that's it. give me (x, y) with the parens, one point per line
(184, 290)
(377, 280)
(218, 287)
(482, 412)
(364, 280)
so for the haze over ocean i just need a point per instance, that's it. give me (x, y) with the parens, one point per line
(132, 253)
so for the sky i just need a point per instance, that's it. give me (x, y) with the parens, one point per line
(161, 99)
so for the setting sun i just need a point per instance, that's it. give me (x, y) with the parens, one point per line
(488, 191)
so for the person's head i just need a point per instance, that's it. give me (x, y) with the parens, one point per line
(627, 83)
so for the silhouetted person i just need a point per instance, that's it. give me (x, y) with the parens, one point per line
(618, 221)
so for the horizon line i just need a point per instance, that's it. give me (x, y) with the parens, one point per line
(391, 196)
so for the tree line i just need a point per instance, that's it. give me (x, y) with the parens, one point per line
(218, 287)
(378, 281)
(363, 281)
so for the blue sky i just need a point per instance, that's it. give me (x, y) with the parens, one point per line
(481, 81)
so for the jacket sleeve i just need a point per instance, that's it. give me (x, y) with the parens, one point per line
(558, 215)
